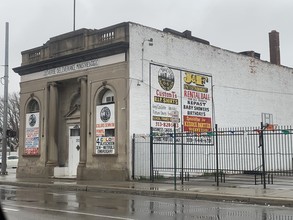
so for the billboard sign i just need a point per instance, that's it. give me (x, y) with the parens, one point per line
(187, 93)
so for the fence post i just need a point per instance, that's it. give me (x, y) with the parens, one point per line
(133, 156)
(261, 139)
(151, 156)
(217, 155)
(175, 163)
(182, 155)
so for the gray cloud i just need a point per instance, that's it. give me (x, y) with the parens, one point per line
(234, 25)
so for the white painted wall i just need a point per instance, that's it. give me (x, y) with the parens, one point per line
(244, 87)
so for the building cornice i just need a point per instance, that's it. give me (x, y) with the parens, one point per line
(95, 53)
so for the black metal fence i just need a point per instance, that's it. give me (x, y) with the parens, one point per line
(265, 151)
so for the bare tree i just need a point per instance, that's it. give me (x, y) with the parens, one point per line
(13, 107)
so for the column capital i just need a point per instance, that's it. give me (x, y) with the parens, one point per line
(52, 84)
(82, 78)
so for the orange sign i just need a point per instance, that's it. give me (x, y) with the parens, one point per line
(196, 124)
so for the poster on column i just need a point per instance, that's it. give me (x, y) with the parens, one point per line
(32, 134)
(105, 129)
(196, 102)
(165, 98)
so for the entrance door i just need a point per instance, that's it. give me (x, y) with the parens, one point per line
(73, 151)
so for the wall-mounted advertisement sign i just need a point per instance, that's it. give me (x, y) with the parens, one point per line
(188, 93)
(165, 97)
(105, 129)
(196, 102)
(32, 134)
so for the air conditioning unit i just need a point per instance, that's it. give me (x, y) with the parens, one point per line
(110, 99)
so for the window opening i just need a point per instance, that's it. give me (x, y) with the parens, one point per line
(33, 106)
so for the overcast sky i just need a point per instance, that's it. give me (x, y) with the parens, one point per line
(236, 25)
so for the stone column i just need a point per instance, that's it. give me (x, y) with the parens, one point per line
(83, 121)
(52, 124)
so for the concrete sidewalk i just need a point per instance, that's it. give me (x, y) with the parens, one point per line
(254, 194)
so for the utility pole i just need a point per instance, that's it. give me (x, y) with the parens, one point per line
(4, 136)
(74, 3)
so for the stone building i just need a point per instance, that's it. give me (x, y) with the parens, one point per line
(85, 93)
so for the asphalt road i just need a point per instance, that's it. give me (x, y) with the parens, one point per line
(29, 203)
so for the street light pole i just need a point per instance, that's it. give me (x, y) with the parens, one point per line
(4, 136)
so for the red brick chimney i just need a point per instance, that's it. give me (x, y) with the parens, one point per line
(274, 47)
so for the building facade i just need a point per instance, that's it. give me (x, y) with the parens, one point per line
(85, 93)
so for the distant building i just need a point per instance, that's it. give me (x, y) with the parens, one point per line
(85, 93)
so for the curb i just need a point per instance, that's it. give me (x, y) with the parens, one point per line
(157, 193)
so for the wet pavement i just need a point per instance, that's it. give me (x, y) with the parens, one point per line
(28, 203)
(254, 194)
